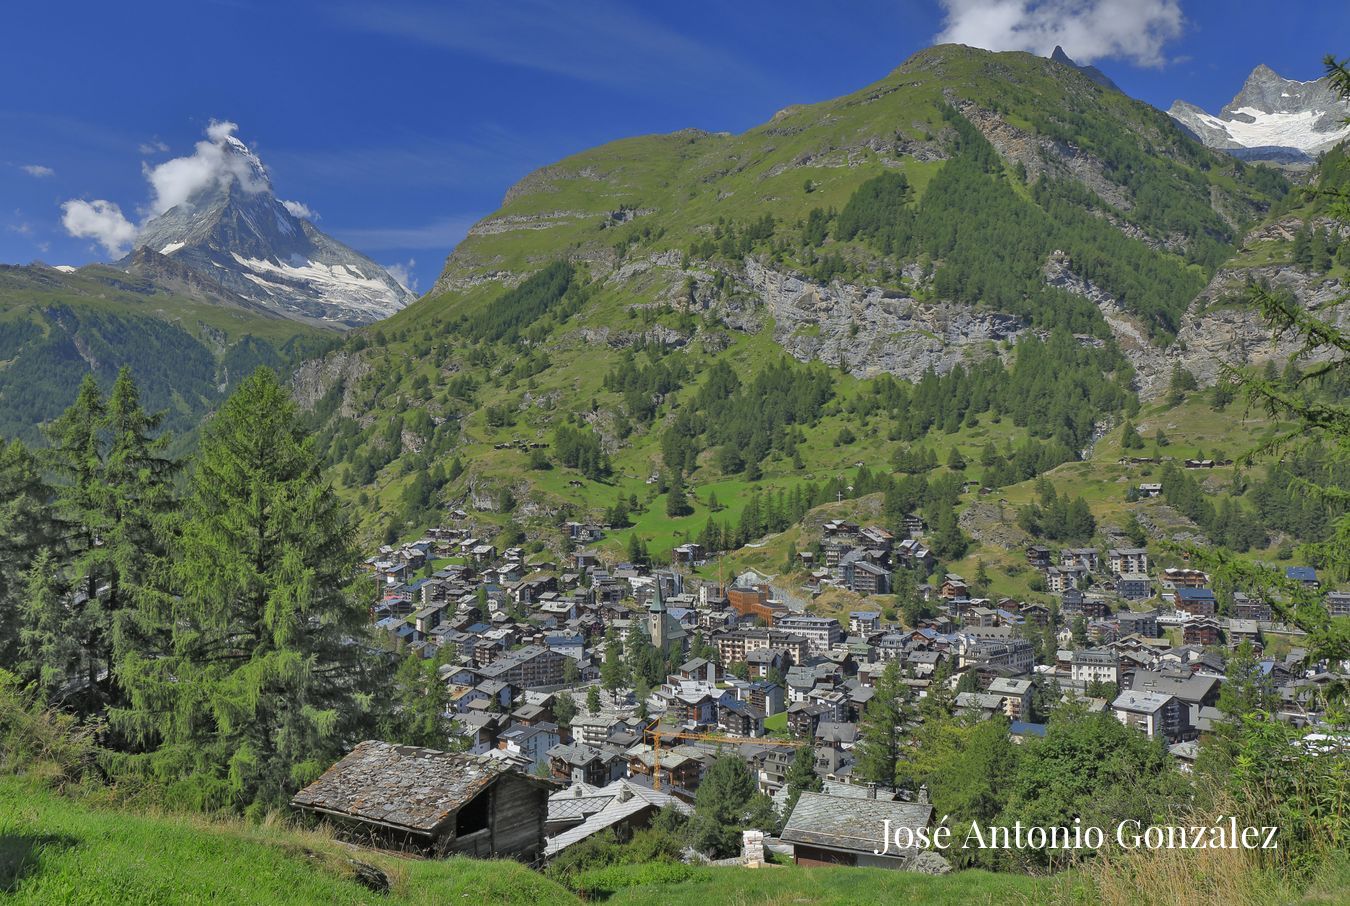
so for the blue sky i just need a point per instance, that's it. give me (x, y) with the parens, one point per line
(402, 123)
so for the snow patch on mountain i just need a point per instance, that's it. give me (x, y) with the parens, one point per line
(1272, 119)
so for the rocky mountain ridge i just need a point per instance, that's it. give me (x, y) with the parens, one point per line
(1272, 119)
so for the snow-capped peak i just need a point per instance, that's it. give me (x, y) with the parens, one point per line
(1272, 118)
(229, 226)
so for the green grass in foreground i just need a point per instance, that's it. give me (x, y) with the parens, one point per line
(59, 850)
(641, 884)
(54, 850)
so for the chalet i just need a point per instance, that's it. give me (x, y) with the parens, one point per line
(688, 553)
(621, 808)
(981, 705)
(1035, 614)
(866, 578)
(838, 528)
(914, 555)
(1198, 602)
(803, 717)
(1248, 608)
(953, 587)
(530, 743)
(876, 538)
(1144, 623)
(1200, 631)
(1038, 555)
(836, 830)
(913, 525)
(764, 661)
(432, 802)
(739, 718)
(1085, 558)
(583, 763)
(1305, 575)
(1173, 578)
(1150, 489)
(593, 729)
(1338, 604)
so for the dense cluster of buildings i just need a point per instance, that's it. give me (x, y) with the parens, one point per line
(515, 635)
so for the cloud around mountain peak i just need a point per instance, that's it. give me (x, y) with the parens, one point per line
(1136, 31)
(218, 160)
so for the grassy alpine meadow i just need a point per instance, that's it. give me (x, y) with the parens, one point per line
(54, 850)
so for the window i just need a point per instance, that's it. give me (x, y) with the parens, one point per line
(473, 817)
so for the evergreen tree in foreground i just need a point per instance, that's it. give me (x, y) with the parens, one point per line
(256, 678)
(26, 528)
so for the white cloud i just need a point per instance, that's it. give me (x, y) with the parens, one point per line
(212, 162)
(403, 274)
(101, 221)
(301, 210)
(1131, 30)
(37, 170)
(153, 147)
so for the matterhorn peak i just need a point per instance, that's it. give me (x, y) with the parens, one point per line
(216, 212)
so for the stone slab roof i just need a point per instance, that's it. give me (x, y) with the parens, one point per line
(855, 825)
(407, 788)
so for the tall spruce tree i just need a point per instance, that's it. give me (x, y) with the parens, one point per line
(263, 678)
(26, 527)
(880, 730)
(51, 654)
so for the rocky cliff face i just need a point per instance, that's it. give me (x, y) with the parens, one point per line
(1272, 119)
(1219, 328)
(868, 331)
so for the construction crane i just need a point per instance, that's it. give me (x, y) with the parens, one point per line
(654, 730)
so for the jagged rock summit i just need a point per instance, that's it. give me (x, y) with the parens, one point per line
(1272, 119)
(236, 234)
(1092, 72)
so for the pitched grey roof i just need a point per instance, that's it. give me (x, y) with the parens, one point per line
(856, 825)
(405, 787)
(627, 799)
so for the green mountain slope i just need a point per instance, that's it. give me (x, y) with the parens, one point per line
(641, 308)
(186, 351)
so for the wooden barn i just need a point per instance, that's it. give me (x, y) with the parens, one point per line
(432, 802)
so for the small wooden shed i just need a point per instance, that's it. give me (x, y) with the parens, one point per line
(433, 802)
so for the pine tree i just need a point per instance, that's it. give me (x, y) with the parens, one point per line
(26, 527)
(564, 709)
(48, 634)
(260, 680)
(420, 703)
(880, 730)
(76, 460)
(677, 504)
(801, 777)
(613, 672)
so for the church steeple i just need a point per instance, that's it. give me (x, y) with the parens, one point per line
(656, 618)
